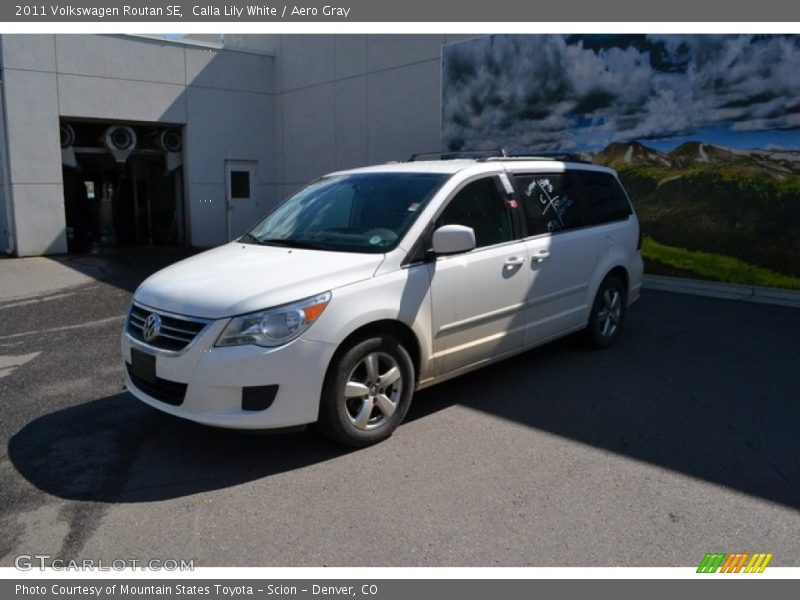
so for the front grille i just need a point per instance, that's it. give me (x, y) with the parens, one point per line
(176, 332)
(170, 392)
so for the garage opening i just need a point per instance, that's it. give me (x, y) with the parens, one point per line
(123, 185)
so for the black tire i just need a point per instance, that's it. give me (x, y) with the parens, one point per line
(605, 325)
(361, 420)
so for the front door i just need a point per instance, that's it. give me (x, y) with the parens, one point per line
(478, 298)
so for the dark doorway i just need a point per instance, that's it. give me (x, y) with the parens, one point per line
(123, 185)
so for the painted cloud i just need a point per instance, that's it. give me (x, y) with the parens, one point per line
(553, 92)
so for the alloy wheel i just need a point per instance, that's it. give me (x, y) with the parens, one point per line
(610, 314)
(373, 391)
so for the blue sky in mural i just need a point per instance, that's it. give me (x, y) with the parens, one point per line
(554, 92)
(722, 136)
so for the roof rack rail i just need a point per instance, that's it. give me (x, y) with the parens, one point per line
(456, 154)
(560, 156)
(500, 154)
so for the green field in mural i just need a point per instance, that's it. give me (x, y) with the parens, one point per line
(706, 265)
(701, 205)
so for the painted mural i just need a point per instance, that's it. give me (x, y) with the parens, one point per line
(704, 131)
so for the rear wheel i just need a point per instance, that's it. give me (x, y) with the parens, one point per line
(367, 392)
(608, 313)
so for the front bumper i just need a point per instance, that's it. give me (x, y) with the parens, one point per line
(214, 379)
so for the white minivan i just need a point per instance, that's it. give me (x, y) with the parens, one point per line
(369, 284)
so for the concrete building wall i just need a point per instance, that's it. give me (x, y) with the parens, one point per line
(5, 203)
(223, 98)
(321, 103)
(351, 100)
(34, 156)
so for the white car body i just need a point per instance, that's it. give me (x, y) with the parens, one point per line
(460, 312)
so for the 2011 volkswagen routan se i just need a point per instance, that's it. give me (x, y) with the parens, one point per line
(369, 284)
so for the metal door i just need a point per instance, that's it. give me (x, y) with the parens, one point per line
(240, 191)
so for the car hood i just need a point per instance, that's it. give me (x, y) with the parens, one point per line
(239, 278)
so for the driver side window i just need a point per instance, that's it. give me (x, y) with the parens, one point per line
(478, 205)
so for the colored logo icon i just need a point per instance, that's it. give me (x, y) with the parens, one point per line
(738, 562)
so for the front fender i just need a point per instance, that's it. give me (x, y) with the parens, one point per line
(402, 295)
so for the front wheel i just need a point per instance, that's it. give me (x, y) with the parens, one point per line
(367, 392)
(608, 313)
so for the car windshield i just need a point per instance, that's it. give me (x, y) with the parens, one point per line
(357, 212)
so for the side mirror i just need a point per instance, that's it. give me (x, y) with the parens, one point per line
(453, 239)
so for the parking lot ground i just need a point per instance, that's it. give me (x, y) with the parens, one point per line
(680, 440)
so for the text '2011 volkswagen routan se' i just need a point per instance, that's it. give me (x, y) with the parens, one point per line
(369, 284)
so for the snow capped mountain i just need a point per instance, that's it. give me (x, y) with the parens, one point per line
(620, 154)
(778, 163)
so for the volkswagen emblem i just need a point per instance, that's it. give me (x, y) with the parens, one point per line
(151, 327)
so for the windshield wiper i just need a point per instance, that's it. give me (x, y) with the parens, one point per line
(289, 243)
(249, 238)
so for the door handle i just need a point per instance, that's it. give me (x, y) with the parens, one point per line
(541, 255)
(514, 261)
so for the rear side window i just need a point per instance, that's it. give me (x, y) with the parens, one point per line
(603, 198)
(561, 201)
(550, 202)
(478, 205)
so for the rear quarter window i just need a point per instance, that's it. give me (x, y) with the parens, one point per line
(603, 198)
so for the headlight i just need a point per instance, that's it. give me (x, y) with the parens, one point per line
(275, 326)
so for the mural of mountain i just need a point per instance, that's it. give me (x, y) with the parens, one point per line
(703, 129)
(622, 154)
(737, 203)
(691, 154)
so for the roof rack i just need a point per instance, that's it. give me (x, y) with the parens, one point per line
(560, 156)
(456, 154)
(499, 154)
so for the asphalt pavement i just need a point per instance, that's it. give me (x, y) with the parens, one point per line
(680, 440)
